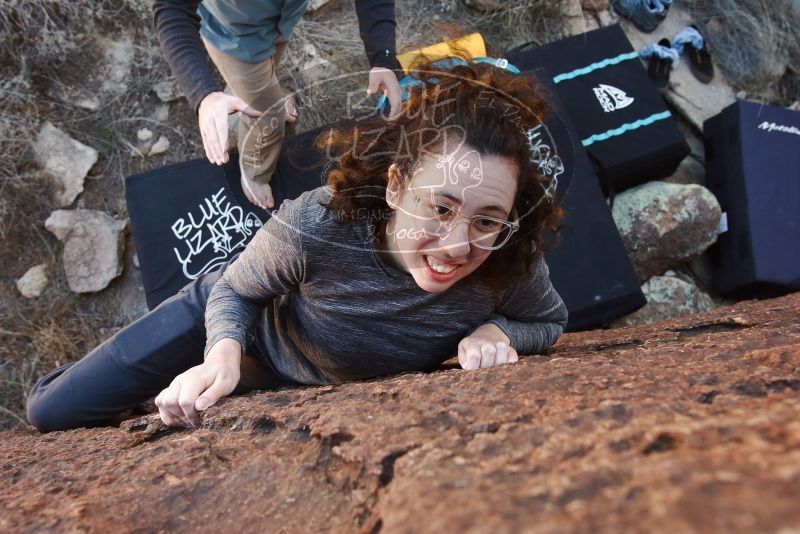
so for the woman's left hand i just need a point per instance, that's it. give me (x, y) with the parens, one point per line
(487, 346)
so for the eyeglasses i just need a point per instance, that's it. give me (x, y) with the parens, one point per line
(487, 233)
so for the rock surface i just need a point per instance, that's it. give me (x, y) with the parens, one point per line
(688, 425)
(93, 246)
(664, 224)
(694, 100)
(667, 296)
(65, 160)
(33, 282)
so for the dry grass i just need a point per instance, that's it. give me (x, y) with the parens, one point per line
(754, 41)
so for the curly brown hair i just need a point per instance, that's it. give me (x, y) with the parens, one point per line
(494, 110)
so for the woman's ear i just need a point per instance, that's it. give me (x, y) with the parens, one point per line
(393, 186)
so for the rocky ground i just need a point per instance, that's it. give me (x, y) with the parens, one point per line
(87, 99)
(689, 425)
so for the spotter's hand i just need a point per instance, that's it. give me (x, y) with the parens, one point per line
(381, 78)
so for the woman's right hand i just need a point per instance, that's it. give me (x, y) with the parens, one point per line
(201, 386)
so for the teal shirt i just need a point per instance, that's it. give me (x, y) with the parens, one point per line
(247, 29)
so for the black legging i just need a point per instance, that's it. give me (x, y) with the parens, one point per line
(135, 364)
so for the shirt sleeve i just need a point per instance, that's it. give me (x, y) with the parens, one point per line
(178, 28)
(272, 264)
(531, 312)
(376, 24)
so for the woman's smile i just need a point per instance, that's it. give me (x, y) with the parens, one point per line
(439, 270)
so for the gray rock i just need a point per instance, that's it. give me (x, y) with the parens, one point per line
(667, 296)
(109, 78)
(167, 90)
(83, 100)
(118, 62)
(572, 8)
(694, 100)
(575, 22)
(64, 159)
(160, 146)
(663, 224)
(93, 245)
(144, 134)
(606, 18)
(315, 67)
(590, 22)
(310, 50)
(34, 281)
(161, 114)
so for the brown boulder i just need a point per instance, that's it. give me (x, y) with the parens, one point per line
(663, 224)
(688, 425)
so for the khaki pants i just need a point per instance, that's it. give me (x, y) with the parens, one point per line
(259, 140)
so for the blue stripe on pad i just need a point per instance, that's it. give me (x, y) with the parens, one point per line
(626, 128)
(595, 66)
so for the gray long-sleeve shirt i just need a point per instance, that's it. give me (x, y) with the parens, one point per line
(328, 309)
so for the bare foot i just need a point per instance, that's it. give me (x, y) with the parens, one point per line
(258, 194)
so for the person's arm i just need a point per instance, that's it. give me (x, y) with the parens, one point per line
(377, 28)
(531, 313)
(272, 264)
(530, 317)
(376, 24)
(177, 27)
